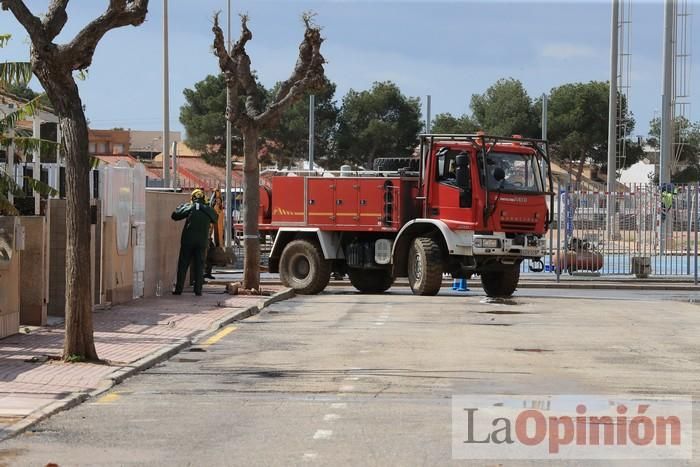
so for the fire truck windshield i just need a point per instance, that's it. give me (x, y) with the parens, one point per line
(522, 172)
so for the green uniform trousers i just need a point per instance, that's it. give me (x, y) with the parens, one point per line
(191, 254)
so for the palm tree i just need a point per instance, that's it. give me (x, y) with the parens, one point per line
(18, 74)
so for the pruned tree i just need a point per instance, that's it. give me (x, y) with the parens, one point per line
(247, 111)
(54, 65)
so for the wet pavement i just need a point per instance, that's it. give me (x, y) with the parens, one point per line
(347, 379)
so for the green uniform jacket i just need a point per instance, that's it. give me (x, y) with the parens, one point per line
(199, 216)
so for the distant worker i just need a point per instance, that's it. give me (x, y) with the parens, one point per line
(668, 194)
(194, 240)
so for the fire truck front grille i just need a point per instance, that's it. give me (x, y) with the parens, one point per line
(519, 226)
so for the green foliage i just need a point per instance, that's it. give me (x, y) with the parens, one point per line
(380, 122)
(204, 117)
(4, 39)
(74, 358)
(578, 121)
(685, 131)
(446, 123)
(292, 134)
(18, 73)
(505, 109)
(14, 76)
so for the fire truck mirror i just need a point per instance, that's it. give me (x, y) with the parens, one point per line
(462, 174)
(499, 174)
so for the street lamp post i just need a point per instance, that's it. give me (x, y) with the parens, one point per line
(166, 100)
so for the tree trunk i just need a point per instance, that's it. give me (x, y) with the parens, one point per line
(251, 200)
(79, 341)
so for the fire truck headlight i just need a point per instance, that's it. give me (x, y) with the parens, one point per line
(382, 251)
(487, 243)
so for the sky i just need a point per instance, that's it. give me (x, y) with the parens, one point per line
(446, 49)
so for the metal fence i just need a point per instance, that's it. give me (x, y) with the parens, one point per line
(649, 231)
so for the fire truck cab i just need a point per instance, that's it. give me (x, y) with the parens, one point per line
(476, 205)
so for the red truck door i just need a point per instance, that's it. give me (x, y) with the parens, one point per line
(445, 200)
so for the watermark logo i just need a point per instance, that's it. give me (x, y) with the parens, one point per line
(571, 427)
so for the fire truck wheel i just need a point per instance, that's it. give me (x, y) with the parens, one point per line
(501, 283)
(303, 268)
(425, 266)
(371, 280)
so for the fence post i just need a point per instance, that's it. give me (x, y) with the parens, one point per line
(695, 225)
(689, 201)
(558, 267)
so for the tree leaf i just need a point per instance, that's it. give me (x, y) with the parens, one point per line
(24, 111)
(28, 144)
(4, 39)
(15, 73)
(40, 187)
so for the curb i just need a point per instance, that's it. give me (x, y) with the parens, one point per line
(566, 284)
(122, 373)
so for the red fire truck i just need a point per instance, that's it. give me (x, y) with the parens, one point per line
(469, 205)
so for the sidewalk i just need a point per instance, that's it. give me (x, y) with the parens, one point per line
(34, 383)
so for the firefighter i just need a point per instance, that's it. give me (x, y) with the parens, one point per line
(668, 194)
(194, 240)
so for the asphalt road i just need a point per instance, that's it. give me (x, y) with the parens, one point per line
(347, 379)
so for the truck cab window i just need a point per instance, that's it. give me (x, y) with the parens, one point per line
(447, 166)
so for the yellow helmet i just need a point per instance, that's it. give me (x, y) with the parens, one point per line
(197, 194)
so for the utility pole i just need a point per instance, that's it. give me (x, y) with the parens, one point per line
(227, 197)
(428, 122)
(665, 153)
(544, 115)
(312, 130)
(612, 119)
(166, 100)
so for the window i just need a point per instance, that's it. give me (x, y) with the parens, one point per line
(101, 148)
(447, 166)
(522, 172)
(117, 149)
(91, 148)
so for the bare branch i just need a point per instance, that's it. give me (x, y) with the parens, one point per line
(25, 17)
(120, 13)
(220, 50)
(308, 74)
(239, 77)
(229, 68)
(244, 73)
(55, 18)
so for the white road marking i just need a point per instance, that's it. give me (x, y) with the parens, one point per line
(347, 388)
(384, 317)
(339, 405)
(379, 323)
(310, 456)
(323, 434)
(351, 378)
(329, 417)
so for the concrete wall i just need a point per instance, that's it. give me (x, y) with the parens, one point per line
(56, 244)
(9, 289)
(162, 240)
(118, 268)
(33, 274)
(56, 215)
